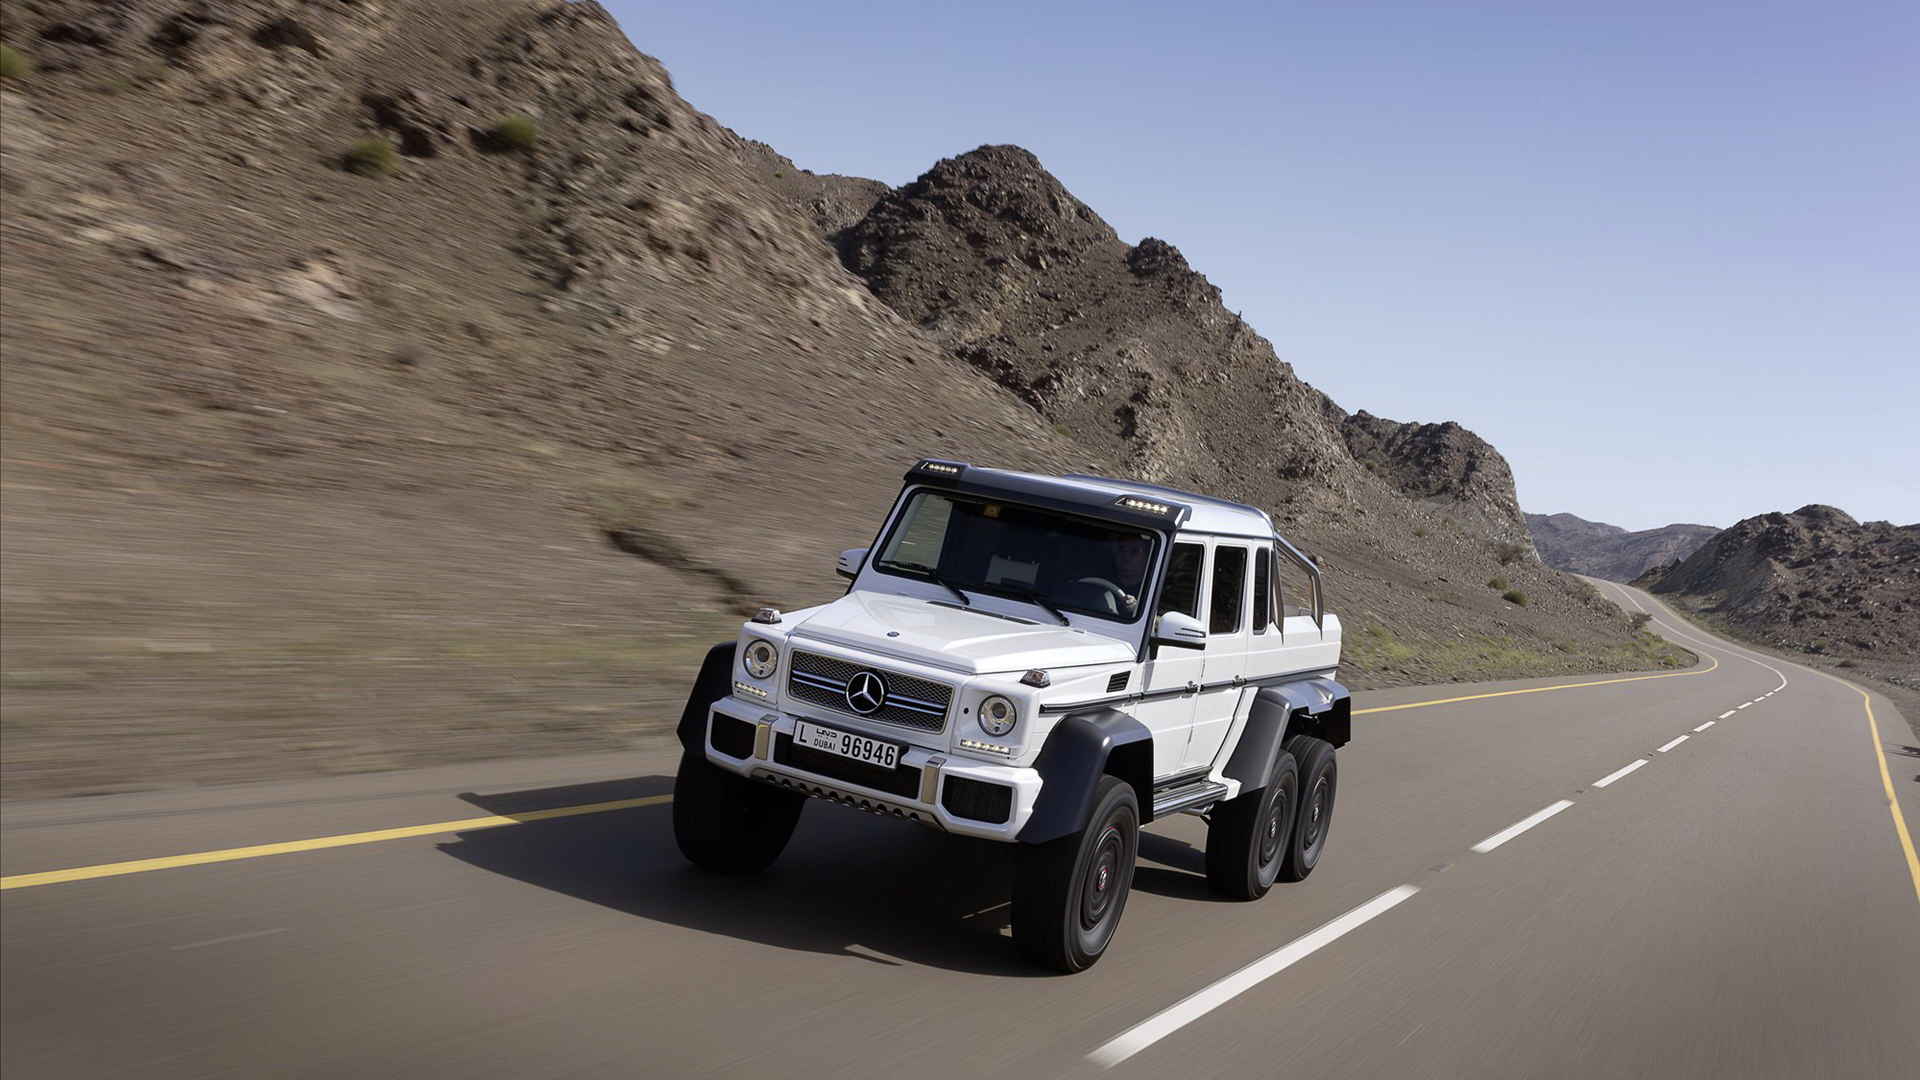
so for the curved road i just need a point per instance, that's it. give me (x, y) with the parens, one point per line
(1691, 874)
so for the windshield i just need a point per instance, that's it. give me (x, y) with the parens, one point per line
(1054, 560)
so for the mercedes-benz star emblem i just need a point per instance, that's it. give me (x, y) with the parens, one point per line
(866, 693)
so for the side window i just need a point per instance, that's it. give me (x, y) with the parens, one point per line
(1182, 591)
(1293, 590)
(1262, 589)
(1229, 589)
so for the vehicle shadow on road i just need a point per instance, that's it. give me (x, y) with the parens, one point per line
(849, 884)
(1181, 873)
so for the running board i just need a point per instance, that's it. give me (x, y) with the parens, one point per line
(1196, 796)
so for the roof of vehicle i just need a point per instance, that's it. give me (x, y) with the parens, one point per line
(1189, 511)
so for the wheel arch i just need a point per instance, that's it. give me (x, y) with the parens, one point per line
(712, 684)
(1318, 707)
(1079, 751)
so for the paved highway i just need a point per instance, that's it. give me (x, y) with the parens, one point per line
(1703, 873)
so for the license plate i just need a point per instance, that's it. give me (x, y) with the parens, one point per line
(846, 744)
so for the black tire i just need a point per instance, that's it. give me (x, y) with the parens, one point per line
(1068, 893)
(1250, 834)
(728, 824)
(1319, 783)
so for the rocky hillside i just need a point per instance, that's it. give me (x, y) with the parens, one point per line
(423, 380)
(1814, 580)
(1594, 548)
(1126, 346)
(1444, 464)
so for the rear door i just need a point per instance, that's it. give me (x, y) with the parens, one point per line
(1266, 649)
(1224, 661)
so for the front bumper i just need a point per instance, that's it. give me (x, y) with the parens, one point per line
(922, 797)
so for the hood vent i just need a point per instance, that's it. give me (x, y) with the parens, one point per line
(1118, 682)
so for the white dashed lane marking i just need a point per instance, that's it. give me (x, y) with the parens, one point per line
(1743, 706)
(1520, 826)
(1706, 725)
(1674, 743)
(1724, 715)
(1173, 1018)
(1618, 773)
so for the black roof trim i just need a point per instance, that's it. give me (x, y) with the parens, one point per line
(1046, 492)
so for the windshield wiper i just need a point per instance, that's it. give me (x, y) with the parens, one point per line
(933, 575)
(1032, 596)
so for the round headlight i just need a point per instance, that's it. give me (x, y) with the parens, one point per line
(997, 715)
(760, 658)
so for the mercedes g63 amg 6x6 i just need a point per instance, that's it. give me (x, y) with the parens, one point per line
(1048, 662)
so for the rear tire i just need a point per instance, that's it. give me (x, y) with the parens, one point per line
(1068, 893)
(1319, 782)
(728, 824)
(1249, 836)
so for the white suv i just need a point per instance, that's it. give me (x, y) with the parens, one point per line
(1046, 661)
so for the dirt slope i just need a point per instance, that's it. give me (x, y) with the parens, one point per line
(1594, 548)
(309, 469)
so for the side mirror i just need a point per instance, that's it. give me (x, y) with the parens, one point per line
(849, 563)
(1179, 630)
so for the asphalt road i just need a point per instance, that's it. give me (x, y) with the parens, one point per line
(1740, 905)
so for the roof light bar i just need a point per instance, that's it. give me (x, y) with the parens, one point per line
(938, 467)
(1145, 506)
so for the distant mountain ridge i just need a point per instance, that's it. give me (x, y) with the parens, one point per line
(1597, 549)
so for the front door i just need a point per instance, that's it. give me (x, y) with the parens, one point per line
(1224, 661)
(1169, 668)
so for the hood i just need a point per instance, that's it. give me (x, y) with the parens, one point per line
(950, 638)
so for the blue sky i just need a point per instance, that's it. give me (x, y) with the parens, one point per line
(1666, 257)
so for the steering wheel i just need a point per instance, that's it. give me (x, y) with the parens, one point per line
(1116, 595)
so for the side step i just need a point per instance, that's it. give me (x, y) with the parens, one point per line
(1192, 797)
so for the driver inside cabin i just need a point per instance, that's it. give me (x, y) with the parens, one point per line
(1130, 557)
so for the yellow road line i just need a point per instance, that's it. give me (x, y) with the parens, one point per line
(1712, 663)
(1886, 781)
(140, 866)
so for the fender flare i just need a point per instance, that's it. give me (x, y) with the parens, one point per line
(714, 682)
(1078, 752)
(1318, 707)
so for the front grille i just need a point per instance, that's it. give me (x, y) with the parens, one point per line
(911, 702)
(902, 780)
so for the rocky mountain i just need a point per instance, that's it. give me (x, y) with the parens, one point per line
(420, 380)
(1815, 580)
(1124, 345)
(1569, 542)
(1444, 464)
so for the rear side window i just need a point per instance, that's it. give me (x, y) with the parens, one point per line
(1262, 589)
(1182, 590)
(1292, 590)
(1229, 587)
